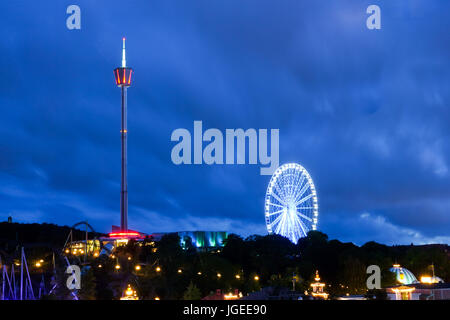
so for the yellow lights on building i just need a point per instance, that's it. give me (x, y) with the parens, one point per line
(430, 279)
(317, 288)
(180, 271)
(158, 269)
(237, 276)
(129, 258)
(38, 264)
(157, 298)
(137, 268)
(427, 279)
(231, 296)
(199, 273)
(100, 266)
(403, 292)
(256, 278)
(219, 275)
(67, 251)
(129, 294)
(96, 254)
(117, 266)
(317, 278)
(121, 242)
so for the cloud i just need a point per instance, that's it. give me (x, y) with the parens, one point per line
(365, 112)
(154, 222)
(377, 228)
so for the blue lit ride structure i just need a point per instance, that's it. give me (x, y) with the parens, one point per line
(291, 206)
(403, 275)
(203, 240)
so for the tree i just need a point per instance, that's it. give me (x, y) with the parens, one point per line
(192, 292)
(87, 291)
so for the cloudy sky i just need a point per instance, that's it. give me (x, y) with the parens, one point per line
(366, 112)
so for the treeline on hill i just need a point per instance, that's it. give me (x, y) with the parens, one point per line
(15, 235)
(274, 260)
(169, 272)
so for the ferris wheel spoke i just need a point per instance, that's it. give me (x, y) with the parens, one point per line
(276, 221)
(303, 227)
(303, 216)
(281, 190)
(281, 227)
(277, 205)
(299, 184)
(304, 199)
(275, 212)
(278, 198)
(305, 208)
(302, 191)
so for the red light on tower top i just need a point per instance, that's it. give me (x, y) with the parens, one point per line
(123, 74)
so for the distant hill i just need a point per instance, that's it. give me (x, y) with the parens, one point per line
(32, 234)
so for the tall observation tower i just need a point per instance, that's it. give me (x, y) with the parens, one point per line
(123, 80)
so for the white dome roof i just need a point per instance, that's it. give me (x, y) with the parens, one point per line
(403, 275)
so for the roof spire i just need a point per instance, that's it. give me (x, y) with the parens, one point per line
(124, 60)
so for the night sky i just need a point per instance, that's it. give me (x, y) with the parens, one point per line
(366, 112)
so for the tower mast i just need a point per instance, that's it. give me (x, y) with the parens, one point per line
(123, 80)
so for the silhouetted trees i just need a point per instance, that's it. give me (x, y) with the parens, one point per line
(168, 271)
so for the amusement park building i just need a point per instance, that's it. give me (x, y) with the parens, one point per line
(202, 240)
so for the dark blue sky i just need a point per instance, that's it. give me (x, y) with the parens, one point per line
(367, 113)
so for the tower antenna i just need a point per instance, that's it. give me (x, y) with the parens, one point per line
(124, 59)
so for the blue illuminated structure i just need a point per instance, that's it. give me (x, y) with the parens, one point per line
(202, 240)
(403, 275)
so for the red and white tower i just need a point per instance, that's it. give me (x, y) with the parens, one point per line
(123, 80)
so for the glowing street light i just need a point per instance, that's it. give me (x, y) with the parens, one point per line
(117, 266)
(158, 269)
(237, 276)
(219, 275)
(137, 268)
(256, 278)
(180, 271)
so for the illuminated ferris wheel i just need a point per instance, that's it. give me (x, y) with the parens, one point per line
(291, 206)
